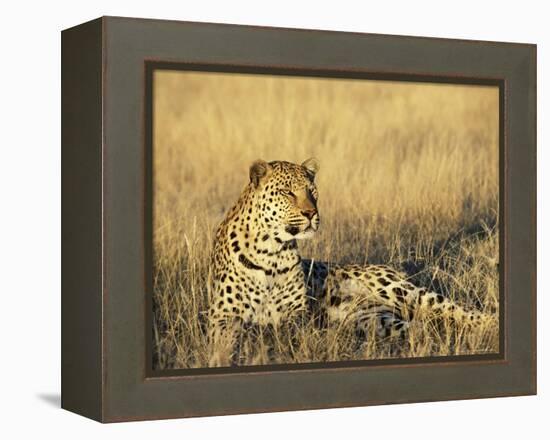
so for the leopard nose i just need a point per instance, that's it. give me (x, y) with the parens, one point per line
(309, 213)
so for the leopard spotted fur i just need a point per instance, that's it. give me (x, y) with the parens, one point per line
(258, 276)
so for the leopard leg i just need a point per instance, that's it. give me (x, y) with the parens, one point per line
(223, 338)
(390, 324)
(387, 323)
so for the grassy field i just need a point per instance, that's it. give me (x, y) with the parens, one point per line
(408, 178)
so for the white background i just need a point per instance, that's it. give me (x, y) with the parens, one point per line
(30, 218)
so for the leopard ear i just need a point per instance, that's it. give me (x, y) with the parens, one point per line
(259, 170)
(312, 165)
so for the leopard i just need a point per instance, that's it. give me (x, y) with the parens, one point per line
(258, 277)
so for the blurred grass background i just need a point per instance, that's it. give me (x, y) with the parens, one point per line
(409, 178)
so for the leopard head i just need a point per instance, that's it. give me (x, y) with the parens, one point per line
(286, 197)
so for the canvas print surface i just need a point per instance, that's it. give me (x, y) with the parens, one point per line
(312, 220)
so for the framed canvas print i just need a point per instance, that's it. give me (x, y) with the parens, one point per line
(262, 219)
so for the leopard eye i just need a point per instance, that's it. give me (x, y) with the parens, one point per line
(287, 192)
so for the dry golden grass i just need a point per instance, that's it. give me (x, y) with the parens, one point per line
(409, 178)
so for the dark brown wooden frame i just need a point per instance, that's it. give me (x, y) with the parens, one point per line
(106, 147)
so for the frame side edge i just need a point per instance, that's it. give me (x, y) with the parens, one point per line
(534, 77)
(81, 190)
